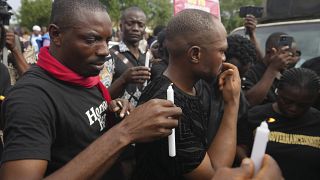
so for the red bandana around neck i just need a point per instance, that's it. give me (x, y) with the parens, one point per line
(63, 73)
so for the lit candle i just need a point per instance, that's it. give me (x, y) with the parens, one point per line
(171, 138)
(147, 62)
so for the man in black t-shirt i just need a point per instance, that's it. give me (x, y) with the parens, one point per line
(58, 118)
(130, 72)
(196, 41)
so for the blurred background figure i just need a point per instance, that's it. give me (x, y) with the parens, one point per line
(241, 53)
(36, 35)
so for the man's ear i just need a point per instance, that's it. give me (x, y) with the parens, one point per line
(55, 34)
(194, 54)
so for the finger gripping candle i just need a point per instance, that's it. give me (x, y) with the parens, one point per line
(171, 138)
(259, 145)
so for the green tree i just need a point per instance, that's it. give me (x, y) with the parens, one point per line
(34, 12)
(230, 12)
(157, 12)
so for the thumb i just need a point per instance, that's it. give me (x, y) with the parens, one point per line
(274, 51)
(247, 168)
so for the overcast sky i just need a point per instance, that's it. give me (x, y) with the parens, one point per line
(15, 4)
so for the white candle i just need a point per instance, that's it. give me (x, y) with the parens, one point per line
(259, 145)
(147, 63)
(172, 137)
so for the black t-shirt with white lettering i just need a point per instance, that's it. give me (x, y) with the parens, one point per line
(153, 161)
(293, 143)
(51, 120)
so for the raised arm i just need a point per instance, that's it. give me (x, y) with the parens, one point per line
(20, 62)
(250, 23)
(276, 63)
(223, 147)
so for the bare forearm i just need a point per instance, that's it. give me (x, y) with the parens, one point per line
(254, 40)
(117, 87)
(21, 63)
(258, 92)
(222, 149)
(96, 159)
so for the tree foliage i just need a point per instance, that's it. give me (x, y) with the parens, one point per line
(34, 12)
(158, 12)
(230, 12)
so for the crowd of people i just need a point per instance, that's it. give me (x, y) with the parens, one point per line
(88, 111)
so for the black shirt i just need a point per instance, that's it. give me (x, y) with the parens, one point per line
(132, 91)
(153, 161)
(4, 79)
(51, 120)
(213, 103)
(158, 68)
(293, 143)
(4, 86)
(253, 76)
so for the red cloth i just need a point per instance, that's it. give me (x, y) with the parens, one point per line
(63, 73)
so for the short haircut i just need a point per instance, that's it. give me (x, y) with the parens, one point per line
(192, 25)
(273, 40)
(190, 21)
(130, 9)
(301, 78)
(64, 12)
(241, 48)
(313, 64)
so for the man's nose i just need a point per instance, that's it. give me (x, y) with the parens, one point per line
(135, 27)
(103, 49)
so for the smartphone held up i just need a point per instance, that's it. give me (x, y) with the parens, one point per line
(252, 10)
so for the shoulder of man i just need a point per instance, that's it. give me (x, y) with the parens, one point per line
(155, 89)
(253, 75)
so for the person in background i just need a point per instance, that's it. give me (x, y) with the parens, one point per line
(129, 62)
(294, 125)
(59, 118)
(158, 67)
(250, 24)
(5, 79)
(36, 35)
(261, 79)
(154, 36)
(241, 53)
(45, 37)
